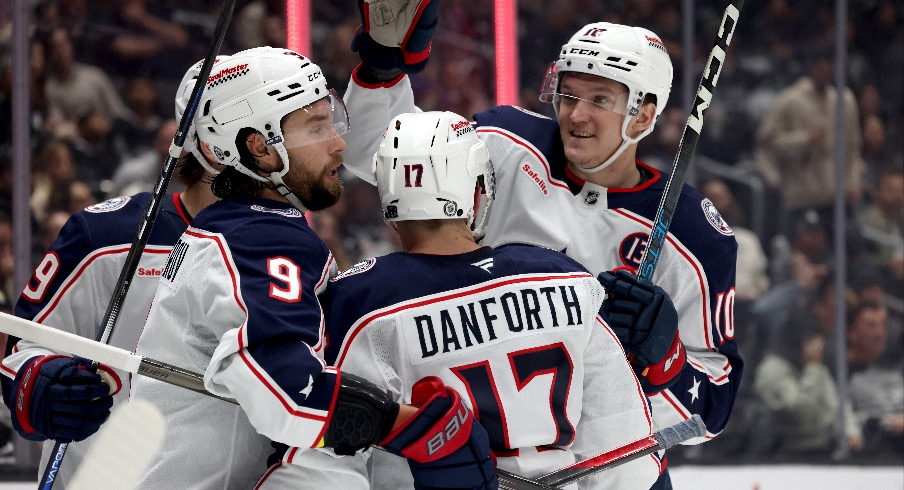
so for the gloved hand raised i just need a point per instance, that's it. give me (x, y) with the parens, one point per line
(394, 37)
(445, 447)
(58, 397)
(645, 320)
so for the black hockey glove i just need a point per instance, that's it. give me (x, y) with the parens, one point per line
(445, 447)
(394, 38)
(57, 397)
(646, 322)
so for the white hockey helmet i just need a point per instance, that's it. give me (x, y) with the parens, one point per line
(429, 166)
(255, 89)
(183, 95)
(632, 56)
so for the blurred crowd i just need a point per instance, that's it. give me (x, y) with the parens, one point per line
(103, 76)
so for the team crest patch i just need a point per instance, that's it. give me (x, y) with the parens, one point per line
(356, 269)
(714, 218)
(108, 205)
(288, 213)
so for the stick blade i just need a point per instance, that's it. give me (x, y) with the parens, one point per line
(123, 449)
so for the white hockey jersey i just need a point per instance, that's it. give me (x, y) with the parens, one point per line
(72, 286)
(517, 331)
(237, 301)
(540, 202)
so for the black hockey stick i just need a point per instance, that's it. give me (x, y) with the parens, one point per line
(672, 191)
(147, 221)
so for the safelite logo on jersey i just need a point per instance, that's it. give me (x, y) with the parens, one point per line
(526, 168)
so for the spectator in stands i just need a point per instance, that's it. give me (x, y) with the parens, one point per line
(881, 226)
(326, 225)
(54, 165)
(136, 128)
(75, 90)
(144, 41)
(6, 264)
(93, 152)
(139, 173)
(795, 141)
(794, 382)
(876, 387)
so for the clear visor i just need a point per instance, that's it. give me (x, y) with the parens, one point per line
(321, 121)
(594, 98)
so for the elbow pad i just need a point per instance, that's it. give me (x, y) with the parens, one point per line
(362, 416)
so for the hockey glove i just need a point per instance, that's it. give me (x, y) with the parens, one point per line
(445, 447)
(57, 397)
(645, 321)
(394, 38)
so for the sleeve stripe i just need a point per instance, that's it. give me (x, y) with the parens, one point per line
(267, 384)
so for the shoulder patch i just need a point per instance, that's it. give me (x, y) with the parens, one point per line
(532, 113)
(714, 218)
(358, 268)
(288, 213)
(108, 205)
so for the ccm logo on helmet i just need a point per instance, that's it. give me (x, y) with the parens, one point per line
(589, 52)
(445, 435)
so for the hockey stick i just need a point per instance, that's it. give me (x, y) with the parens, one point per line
(123, 449)
(147, 221)
(672, 191)
(133, 363)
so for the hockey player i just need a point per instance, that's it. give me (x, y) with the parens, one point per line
(70, 290)
(574, 184)
(237, 300)
(517, 328)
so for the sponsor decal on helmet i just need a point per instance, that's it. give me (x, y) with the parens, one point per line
(714, 218)
(656, 43)
(526, 168)
(356, 269)
(227, 74)
(108, 205)
(450, 208)
(392, 212)
(219, 153)
(288, 213)
(462, 128)
(588, 52)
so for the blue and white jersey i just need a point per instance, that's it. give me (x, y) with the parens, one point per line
(74, 282)
(539, 202)
(517, 331)
(237, 301)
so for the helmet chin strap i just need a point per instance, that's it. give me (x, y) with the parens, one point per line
(277, 179)
(621, 148)
(618, 151)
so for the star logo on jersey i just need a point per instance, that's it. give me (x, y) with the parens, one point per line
(484, 264)
(695, 390)
(310, 387)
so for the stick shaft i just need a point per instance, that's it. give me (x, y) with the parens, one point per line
(672, 192)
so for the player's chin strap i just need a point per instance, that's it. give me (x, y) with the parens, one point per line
(626, 140)
(277, 178)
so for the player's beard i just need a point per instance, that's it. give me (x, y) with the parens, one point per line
(314, 189)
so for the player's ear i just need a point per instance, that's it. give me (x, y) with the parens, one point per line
(644, 119)
(265, 156)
